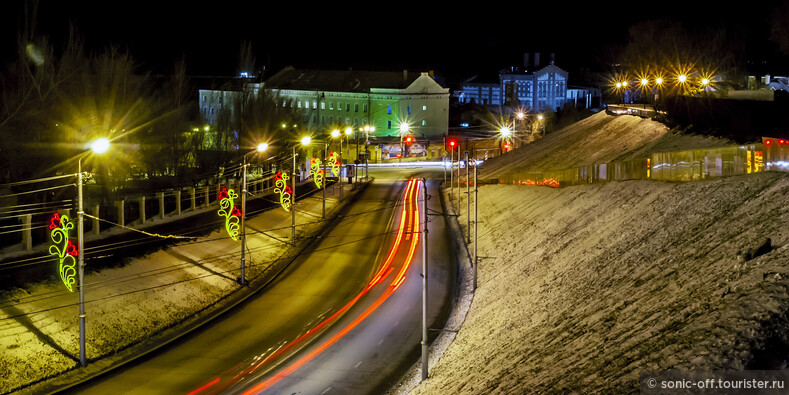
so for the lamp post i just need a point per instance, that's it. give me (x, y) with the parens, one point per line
(424, 286)
(99, 146)
(404, 128)
(260, 148)
(304, 142)
(323, 184)
(336, 134)
(367, 130)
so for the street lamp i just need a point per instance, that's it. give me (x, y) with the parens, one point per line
(305, 141)
(98, 146)
(367, 130)
(404, 128)
(262, 147)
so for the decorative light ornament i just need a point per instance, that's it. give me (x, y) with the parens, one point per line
(316, 171)
(231, 213)
(283, 189)
(335, 162)
(64, 249)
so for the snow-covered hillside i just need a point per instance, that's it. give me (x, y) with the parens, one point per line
(581, 288)
(600, 138)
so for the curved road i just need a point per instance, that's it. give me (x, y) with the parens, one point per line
(344, 318)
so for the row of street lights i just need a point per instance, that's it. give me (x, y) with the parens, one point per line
(102, 145)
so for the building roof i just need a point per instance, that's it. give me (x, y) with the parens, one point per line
(340, 80)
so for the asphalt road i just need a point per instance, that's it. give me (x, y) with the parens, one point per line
(344, 318)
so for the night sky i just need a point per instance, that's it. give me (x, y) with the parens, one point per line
(457, 40)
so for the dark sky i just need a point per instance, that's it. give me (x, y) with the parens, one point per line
(455, 39)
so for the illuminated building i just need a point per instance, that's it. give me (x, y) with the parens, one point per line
(536, 86)
(329, 98)
(384, 100)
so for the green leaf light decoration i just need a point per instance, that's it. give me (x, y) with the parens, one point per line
(316, 171)
(63, 249)
(231, 213)
(335, 162)
(281, 187)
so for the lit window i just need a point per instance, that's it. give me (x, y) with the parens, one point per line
(424, 122)
(389, 109)
(408, 110)
(424, 108)
(323, 105)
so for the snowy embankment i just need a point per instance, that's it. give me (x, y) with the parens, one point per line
(600, 138)
(581, 288)
(132, 308)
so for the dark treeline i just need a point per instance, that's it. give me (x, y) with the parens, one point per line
(52, 106)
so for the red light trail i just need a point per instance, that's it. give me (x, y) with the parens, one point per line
(409, 222)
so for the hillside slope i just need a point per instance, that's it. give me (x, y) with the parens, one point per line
(582, 288)
(599, 138)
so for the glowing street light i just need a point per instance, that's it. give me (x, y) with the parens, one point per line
(403, 129)
(98, 146)
(682, 78)
(262, 147)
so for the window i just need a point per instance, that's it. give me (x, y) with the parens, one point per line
(355, 108)
(389, 123)
(408, 110)
(314, 105)
(424, 108)
(331, 105)
(323, 105)
(389, 109)
(347, 107)
(364, 107)
(424, 122)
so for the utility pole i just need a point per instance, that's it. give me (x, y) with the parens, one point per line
(242, 279)
(476, 189)
(81, 249)
(468, 201)
(424, 287)
(293, 203)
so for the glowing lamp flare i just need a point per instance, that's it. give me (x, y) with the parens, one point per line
(100, 146)
(63, 249)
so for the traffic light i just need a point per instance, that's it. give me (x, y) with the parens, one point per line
(409, 139)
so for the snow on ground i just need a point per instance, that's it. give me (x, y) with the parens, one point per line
(127, 305)
(600, 138)
(581, 288)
